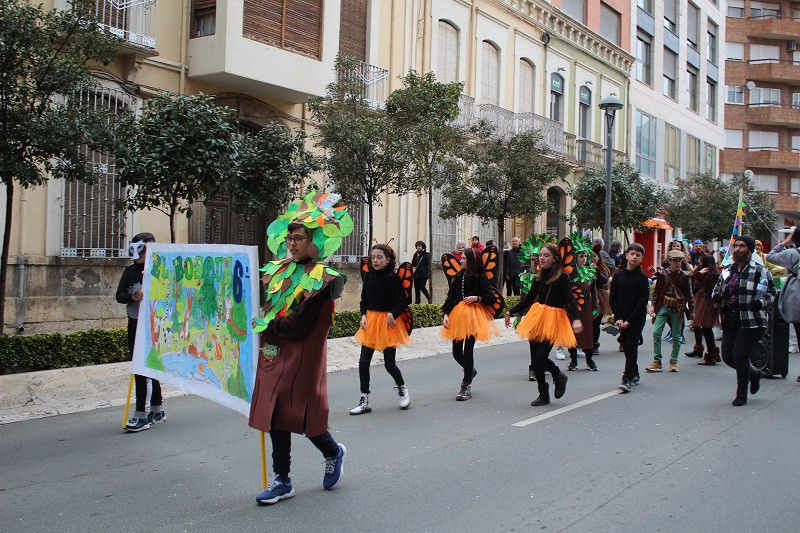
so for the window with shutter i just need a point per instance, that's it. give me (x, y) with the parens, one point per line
(204, 17)
(527, 86)
(447, 53)
(294, 25)
(490, 74)
(353, 29)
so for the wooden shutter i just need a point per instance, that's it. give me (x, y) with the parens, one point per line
(490, 74)
(447, 58)
(353, 29)
(295, 25)
(526, 87)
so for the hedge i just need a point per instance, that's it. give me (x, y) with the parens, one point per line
(96, 346)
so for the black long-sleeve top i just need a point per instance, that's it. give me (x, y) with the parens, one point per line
(630, 291)
(422, 264)
(473, 286)
(383, 291)
(559, 294)
(131, 276)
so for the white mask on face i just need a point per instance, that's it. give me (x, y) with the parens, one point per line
(135, 249)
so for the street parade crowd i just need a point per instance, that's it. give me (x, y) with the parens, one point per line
(568, 289)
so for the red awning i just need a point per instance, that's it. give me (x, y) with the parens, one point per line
(658, 223)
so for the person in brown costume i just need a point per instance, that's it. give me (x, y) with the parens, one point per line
(291, 393)
(704, 277)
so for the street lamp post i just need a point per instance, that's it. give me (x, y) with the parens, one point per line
(609, 104)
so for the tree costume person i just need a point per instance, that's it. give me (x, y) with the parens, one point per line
(291, 392)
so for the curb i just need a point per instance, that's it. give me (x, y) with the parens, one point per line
(46, 393)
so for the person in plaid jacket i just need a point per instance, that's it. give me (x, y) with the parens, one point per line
(743, 294)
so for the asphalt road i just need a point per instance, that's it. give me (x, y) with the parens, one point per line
(673, 455)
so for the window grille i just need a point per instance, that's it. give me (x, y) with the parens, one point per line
(92, 224)
(354, 246)
(446, 231)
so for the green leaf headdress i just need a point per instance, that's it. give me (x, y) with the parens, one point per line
(287, 282)
(533, 246)
(587, 272)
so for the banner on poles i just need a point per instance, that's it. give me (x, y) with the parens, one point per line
(194, 322)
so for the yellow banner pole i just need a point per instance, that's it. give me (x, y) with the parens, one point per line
(127, 404)
(263, 460)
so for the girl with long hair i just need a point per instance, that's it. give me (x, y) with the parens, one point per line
(466, 318)
(551, 318)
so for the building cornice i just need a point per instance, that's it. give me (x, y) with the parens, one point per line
(549, 19)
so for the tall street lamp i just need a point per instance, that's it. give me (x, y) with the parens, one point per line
(609, 104)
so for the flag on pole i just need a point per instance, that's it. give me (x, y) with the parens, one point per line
(737, 226)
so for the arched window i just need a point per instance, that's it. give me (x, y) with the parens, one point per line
(527, 86)
(585, 112)
(557, 97)
(447, 57)
(490, 74)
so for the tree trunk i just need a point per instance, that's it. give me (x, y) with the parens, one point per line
(4, 257)
(172, 224)
(501, 229)
(430, 242)
(369, 222)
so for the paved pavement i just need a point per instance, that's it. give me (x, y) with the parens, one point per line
(70, 390)
(672, 455)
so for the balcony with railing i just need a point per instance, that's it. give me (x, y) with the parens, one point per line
(773, 115)
(774, 71)
(466, 112)
(552, 130)
(374, 82)
(503, 120)
(776, 27)
(756, 157)
(134, 21)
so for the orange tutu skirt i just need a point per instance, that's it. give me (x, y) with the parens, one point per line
(470, 320)
(379, 335)
(548, 324)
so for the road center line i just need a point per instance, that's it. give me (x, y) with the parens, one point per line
(566, 409)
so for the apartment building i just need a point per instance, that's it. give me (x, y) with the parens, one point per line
(525, 65)
(762, 101)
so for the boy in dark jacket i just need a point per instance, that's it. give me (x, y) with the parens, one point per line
(129, 292)
(629, 293)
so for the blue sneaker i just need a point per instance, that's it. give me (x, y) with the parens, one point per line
(333, 468)
(279, 489)
(668, 336)
(135, 425)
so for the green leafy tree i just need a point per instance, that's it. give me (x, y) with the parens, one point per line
(45, 56)
(271, 167)
(633, 199)
(502, 177)
(365, 157)
(422, 112)
(180, 151)
(704, 206)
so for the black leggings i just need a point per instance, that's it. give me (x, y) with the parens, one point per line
(282, 449)
(420, 286)
(737, 343)
(389, 355)
(141, 381)
(462, 353)
(708, 335)
(541, 362)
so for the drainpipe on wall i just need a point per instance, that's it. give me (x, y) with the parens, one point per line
(184, 45)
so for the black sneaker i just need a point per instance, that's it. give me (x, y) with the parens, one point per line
(532, 376)
(625, 385)
(560, 382)
(573, 365)
(635, 380)
(135, 425)
(591, 365)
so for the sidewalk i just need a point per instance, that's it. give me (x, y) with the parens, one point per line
(69, 390)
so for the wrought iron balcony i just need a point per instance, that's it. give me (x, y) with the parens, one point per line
(132, 20)
(552, 130)
(590, 154)
(373, 80)
(466, 112)
(503, 120)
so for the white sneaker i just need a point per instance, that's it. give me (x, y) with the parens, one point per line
(405, 399)
(362, 407)
(560, 354)
(580, 353)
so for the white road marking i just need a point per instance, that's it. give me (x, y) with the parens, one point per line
(566, 409)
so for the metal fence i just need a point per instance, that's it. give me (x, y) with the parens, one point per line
(132, 20)
(92, 225)
(446, 231)
(354, 246)
(374, 82)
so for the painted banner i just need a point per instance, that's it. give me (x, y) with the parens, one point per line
(194, 321)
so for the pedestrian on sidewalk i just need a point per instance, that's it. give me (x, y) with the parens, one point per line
(513, 266)
(744, 292)
(382, 328)
(551, 318)
(422, 271)
(129, 292)
(704, 277)
(291, 388)
(466, 317)
(673, 302)
(630, 289)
